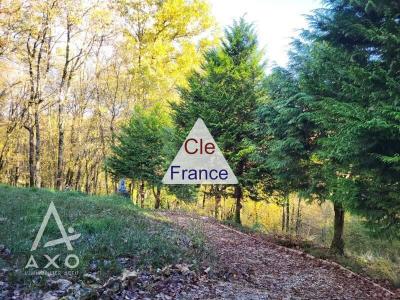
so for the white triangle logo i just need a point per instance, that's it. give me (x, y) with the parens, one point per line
(65, 238)
(199, 161)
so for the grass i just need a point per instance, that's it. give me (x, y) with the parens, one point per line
(111, 228)
(365, 254)
(378, 268)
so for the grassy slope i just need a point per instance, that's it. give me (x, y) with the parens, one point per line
(111, 227)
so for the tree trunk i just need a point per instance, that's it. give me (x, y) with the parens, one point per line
(60, 148)
(103, 150)
(69, 177)
(131, 186)
(141, 193)
(224, 213)
(31, 158)
(157, 197)
(137, 193)
(287, 214)
(204, 198)
(238, 206)
(337, 245)
(87, 188)
(298, 218)
(37, 148)
(16, 176)
(217, 203)
(78, 178)
(106, 182)
(283, 216)
(96, 179)
(292, 214)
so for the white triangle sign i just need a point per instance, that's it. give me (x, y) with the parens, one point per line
(199, 161)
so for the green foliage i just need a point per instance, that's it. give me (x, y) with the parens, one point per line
(284, 135)
(225, 94)
(332, 124)
(142, 149)
(353, 73)
(187, 193)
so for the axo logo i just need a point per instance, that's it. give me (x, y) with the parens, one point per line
(71, 261)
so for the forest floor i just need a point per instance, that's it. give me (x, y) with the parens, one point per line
(254, 268)
(131, 253)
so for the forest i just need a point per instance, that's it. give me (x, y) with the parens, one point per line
(95, 93)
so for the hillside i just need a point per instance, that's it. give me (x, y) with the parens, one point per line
(116, 236)
(130, 253)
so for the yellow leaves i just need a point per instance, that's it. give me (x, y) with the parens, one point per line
(165, 41)
(316, 160)
(183, 19)
(103, 110)
(100, 18)
(155, 46)
(208, 42)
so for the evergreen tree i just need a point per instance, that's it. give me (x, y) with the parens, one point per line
(359, 44)
(322, 72)
(141, 152)
(347, 67)
(225, 93)
(347, 70)
(285, 142)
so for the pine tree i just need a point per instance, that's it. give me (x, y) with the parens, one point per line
(347, 70)
(359, 48)
(141, 152)
(285, 139)
(348, 74)
(225, 93)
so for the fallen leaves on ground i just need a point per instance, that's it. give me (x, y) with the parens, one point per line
(247, 268)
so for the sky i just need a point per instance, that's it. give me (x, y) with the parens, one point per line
(276, 22)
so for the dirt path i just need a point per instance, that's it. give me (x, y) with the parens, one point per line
(257, 269)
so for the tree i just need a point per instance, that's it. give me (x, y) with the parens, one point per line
(81, 39)
(285, 139)
(81, 78)
(29, 30)
(322, 76)
(348, 76)
(225, 93)
(163, 40)
(140, 152)
(358, 55)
